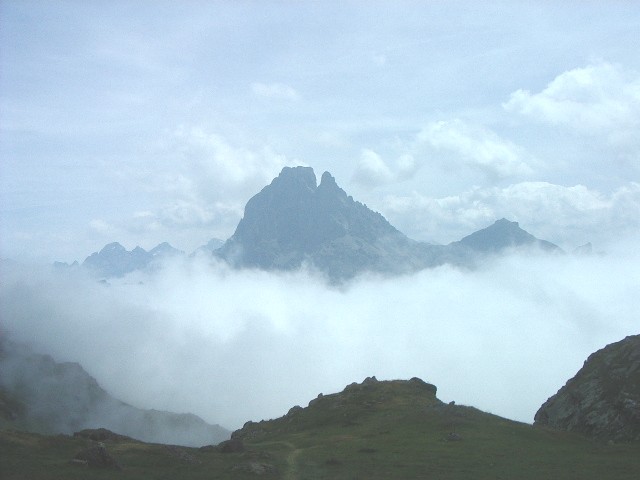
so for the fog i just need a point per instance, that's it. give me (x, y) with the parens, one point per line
(232, 346)
(55, 398)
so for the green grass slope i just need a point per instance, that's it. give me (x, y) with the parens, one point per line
(373, 430)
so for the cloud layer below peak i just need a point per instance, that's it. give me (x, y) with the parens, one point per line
(187, 339)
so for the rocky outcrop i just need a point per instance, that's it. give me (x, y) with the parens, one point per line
(603, 399)
(353, 405)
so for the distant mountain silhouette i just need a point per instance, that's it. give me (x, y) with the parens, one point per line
(211, 246)
(164, 250)
(116, 261)
(503, 235)
(293, 221)
(38, 394)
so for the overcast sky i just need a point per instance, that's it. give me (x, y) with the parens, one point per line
(142, 122)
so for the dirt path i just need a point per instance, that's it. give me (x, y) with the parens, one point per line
(292, 455)
(292, 472)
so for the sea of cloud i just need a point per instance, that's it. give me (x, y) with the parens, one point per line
(233, 346)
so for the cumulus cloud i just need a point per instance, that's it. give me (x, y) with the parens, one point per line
(372, 170)
(475, 146)
(601, 98)
(278, 91)
(202, 181)
(187, 339)
(568, 215)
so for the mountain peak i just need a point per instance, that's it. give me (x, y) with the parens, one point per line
(113, 247)
(303, 176)
(328, 180)
(292, 221)
(115, 261)
(503, 222)
(503, 234)
(164, 249)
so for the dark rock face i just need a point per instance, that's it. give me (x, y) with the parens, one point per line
(603, 399)
(292, 221)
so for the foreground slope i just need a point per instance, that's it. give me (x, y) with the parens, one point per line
(373, 430)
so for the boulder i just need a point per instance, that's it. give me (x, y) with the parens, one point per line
(602, 400)
(96, 456)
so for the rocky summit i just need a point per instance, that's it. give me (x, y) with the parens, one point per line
(293, 221)
(503, 235)
(603, 399)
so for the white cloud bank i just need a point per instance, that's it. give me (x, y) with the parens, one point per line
(476, 146)
(568, 215)
(197, 183)
(601, 98)
(453, 146)
(232, 346)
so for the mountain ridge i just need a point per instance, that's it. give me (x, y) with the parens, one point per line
(41, 395)
(294, 222)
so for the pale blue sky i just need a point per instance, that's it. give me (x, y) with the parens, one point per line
(142, 122)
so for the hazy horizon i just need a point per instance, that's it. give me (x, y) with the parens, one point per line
(141, 122)
(502, 338)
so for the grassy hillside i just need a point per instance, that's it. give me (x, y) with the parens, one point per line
(373, 430)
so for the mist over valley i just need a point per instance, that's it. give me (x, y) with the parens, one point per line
(198, 335)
